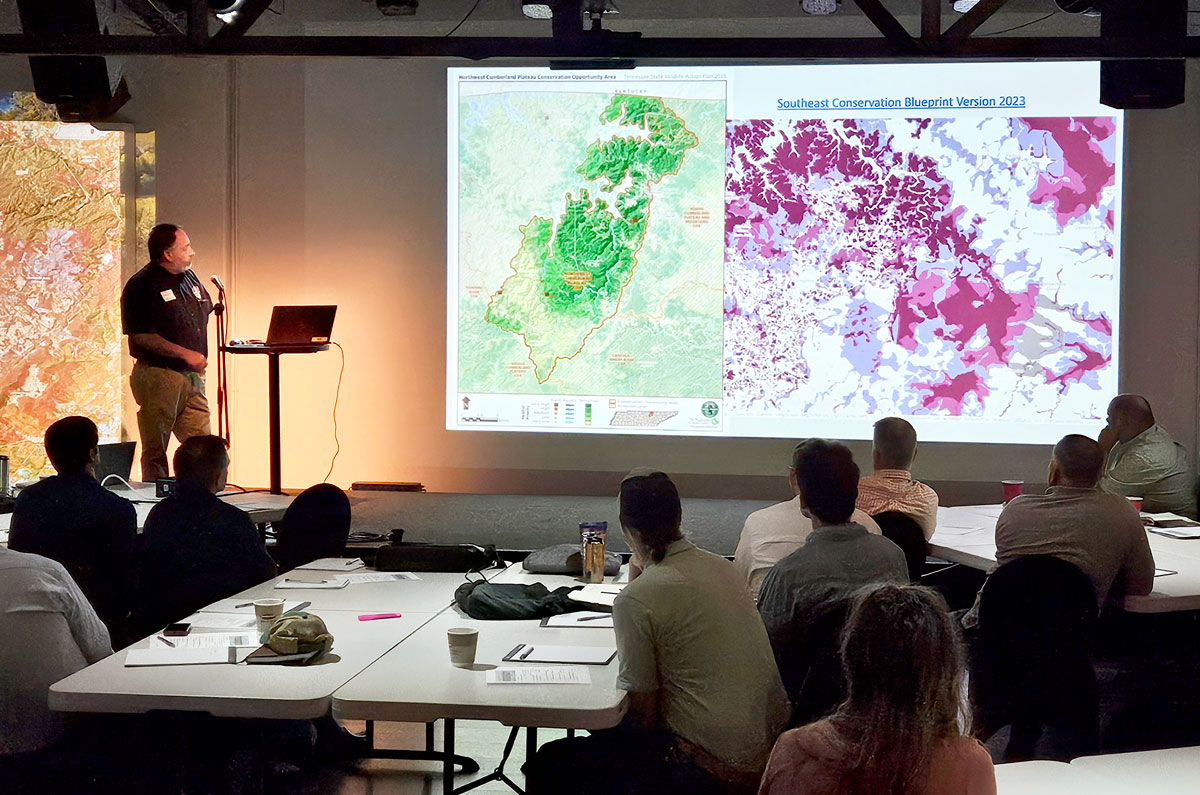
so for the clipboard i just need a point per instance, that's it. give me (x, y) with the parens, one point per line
(569, 655)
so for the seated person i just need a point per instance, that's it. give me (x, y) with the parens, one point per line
(891, 486)
(72, 519)
(898, 730)
(1142, 460)
(197, 549)
(773, 533)
(806, 596)
(49, 631)
(1099, 532)
(705, 700)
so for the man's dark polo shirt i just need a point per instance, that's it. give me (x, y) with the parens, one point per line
(89, 530)
(196, 550)
(173, 306)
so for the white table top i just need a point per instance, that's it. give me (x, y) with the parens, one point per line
(1042, 777)
(966, 534)
(430, 594)
(244, 691)
(416, 682)
(1163, 772)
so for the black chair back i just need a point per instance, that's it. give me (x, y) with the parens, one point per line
(810, 662)
(1031, 662)
(316, 525)
(903, 531)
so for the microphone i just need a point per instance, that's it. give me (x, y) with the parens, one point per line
(215, 280)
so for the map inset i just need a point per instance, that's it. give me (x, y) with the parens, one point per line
(62, 223)
(590, 243)
(955, 267)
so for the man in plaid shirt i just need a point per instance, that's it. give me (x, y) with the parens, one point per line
(891, 487)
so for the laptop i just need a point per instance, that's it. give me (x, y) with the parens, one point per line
(301, 325)
(115, 459)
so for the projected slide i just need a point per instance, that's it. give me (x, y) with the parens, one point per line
(784, 251)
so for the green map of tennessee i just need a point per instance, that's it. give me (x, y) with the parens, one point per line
(568, 279)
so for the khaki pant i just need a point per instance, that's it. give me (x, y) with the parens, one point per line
(169, 401)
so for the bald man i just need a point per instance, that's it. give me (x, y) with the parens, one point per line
(1076, 522)
(1142, 460)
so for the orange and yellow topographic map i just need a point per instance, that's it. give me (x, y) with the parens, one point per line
(62, 222)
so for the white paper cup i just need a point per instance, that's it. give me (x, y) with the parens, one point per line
(463, 641)
(267, 612)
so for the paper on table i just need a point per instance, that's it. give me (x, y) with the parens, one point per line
(1176, 532)
(584, 618)
(538, 652)
(255, 506)
(220, 621)
(597, 594)
(558, 675)
(377, 576)
(332, 583)
(165, 655)
(210, 640)
(333, 564)
(246, 605)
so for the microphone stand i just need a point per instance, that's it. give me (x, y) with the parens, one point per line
(222, 375)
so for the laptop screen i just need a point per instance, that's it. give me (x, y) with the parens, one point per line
(301, 325)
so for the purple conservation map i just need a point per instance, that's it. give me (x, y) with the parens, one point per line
(961, 267)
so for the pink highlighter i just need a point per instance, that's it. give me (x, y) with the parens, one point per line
(376, 616)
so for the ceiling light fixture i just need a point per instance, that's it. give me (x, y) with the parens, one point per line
(536, 10)
(819, 7)
(397, 8)
(963, 6)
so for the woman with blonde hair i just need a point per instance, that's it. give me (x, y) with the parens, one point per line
(899, 731)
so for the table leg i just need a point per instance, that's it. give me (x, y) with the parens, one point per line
(531, 743)
(448, 750)
(273, 420)
(429, 736)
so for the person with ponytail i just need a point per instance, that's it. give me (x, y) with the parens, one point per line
(902, 728)
(705, 698)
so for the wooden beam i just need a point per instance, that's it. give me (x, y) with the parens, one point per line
(726, 50)
(247, 15)
(931, 22)
(961, 30)
(197, 23)
(887, 24)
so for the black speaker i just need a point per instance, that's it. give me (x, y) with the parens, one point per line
(1147, 83)
(84, 88)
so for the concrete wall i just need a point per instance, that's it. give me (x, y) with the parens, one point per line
(324, 180)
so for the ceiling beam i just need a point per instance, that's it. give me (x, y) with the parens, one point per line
(197, 23)
(887, 24)
(247, 15)
(969, 22)
(728, 49)
(931, 22)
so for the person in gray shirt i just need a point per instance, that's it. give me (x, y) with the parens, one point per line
(1142, 460)
(806, 596)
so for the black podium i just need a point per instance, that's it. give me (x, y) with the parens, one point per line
(273, 352)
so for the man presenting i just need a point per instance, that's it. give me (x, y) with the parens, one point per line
(164, 311)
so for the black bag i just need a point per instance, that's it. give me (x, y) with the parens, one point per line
(511, 601)
(436, 557)
(566, 559)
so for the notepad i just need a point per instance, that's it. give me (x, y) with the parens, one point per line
(542, 653)
(332, 583)
(377, 576)
(137, 658)
(583, 619)
(1184, 532)
(333, 564)
(209, 640)
(596, 594)
(220, 621)
(558, 675)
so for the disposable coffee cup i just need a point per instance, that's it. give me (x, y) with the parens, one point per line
(267, 612)
(463, 641)
(1136, 502)
(1012, 489)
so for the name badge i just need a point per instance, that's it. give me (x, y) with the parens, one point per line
(167, 295)
(196, 292)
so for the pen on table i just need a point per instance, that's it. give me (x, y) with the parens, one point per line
(515, 649)
(525, 653)
(243, 604)
(297, 608)
(164, 640)
(612, 592)
(595, 618)
(377, 616)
